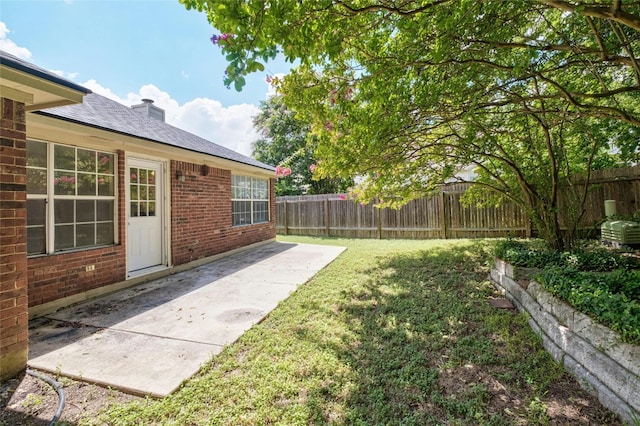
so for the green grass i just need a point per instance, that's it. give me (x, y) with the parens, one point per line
(391, 333)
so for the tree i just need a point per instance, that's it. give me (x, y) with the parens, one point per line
(529, 92)
(285, 142)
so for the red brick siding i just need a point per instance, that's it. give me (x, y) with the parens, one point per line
(13, 240)
(201, 214)
(200, 227)
(60, 275)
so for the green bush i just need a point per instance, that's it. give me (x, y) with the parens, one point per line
(525, 254)
(598, 282)
(613, 299)
(530, 254)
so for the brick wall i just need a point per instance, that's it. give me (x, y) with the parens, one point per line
(13, 240)
(200, 227)
(201, 214)
(60, 275)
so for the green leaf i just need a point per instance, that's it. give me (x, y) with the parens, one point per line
(239, 83)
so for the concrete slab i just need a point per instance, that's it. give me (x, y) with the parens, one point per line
(149, 338)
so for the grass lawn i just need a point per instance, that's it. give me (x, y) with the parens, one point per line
(393, 332)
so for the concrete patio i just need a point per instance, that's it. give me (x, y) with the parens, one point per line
(149, 338)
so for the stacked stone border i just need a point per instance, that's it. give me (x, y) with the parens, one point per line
(590, 352)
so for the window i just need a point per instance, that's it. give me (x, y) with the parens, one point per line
(249, 199)
(142, 191)
(70, 197)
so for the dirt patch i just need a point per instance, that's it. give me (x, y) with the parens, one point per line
(28, 401)
(565, 403)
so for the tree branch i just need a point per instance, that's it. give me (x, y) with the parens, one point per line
(613, 13)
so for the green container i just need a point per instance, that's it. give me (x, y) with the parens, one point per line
(620, 231)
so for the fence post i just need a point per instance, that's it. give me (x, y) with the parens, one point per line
(443, 217)
(326, 217)
(286, 218)
(379, 222)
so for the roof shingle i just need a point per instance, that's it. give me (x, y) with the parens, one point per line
(103, 113)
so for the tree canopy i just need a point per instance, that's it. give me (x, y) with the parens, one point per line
(528, 93)
(287, 142)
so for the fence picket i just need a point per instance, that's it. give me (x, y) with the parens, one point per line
(444, 216)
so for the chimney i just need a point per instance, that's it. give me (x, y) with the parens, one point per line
(149, 109)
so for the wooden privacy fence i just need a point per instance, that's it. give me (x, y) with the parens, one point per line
(442, 216)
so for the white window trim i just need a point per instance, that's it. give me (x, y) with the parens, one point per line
(251, 200)
(50, 198)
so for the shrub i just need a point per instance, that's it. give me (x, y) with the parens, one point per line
(598, 259)
(526, 255)
(529, 254)
(612, 299)
(596, 281)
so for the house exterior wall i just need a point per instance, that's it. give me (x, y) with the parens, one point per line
(59, 275)
(201, 214)
(200, 226)
(13, 240)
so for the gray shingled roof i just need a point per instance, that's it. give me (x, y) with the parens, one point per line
(14, 62)
(100, 112)
(103, 113)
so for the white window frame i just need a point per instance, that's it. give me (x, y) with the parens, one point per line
(50, 198)
(250, 195)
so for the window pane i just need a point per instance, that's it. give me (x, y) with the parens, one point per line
(36, 154)
(260, 211)
(143, 176)
(36, 240)
(36, 212)
(85, 211)
(260, 191)
(85, 234)
(152, 193)
(104, 210)
(260, 217)
(152, 208)
(241, 187)
(104, 233)
(133, 209)
(63, 211)
(143, 208)
(241, 213)
(134, 175)
(86, 184)
(143, 193)
(64, 237)
(36, 181)
(64, 183)
(86, 161)
(105, 162)
(133, 191)
(105, 185)
(64, 157)
(152, 177)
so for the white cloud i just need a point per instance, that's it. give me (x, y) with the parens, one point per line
(9, 46)
(231, 127)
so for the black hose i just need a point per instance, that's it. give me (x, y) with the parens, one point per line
(58, 389)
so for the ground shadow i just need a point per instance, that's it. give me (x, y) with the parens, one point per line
(426, 352)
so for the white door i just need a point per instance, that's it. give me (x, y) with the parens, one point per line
(145, 241)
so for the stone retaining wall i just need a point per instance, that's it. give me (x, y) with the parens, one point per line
(589, 351)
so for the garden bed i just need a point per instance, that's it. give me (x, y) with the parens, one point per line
(594, 354)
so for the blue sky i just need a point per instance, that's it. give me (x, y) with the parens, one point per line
(133, 49)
